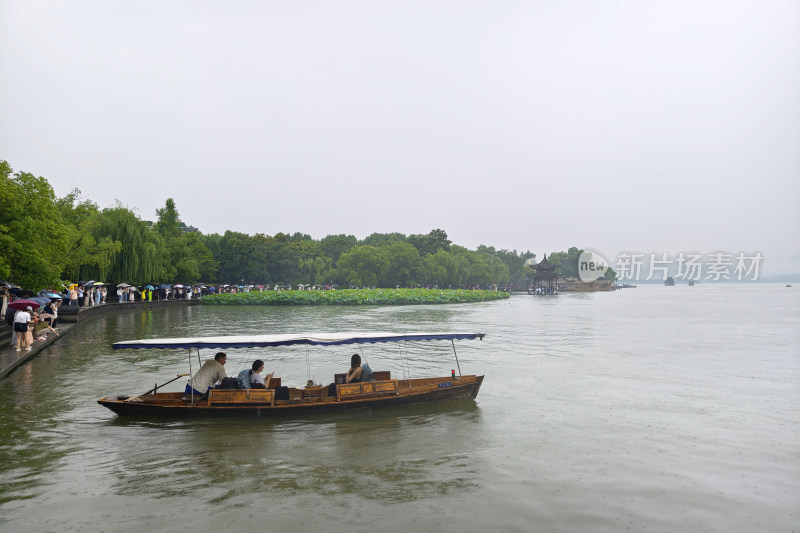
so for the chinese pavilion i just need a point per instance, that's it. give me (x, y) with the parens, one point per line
(544, 278)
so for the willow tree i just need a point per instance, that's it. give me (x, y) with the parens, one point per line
(86, 256)
(140, 258)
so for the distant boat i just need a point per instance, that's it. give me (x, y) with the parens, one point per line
(691, 283)
(670, 282)
(788, 285)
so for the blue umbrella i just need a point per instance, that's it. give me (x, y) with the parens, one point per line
(48, 294)
(41, 299)
(149, 287)
(164, 286)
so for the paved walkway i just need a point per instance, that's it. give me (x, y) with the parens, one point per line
(69, 318)
(10, 358)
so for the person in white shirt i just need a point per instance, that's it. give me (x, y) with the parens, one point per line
(21, 321)
(211, 372)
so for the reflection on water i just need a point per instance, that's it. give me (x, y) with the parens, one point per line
(387, 455)
(643, 409)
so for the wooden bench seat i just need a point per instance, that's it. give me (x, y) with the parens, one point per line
(366, 389)
(241, 396)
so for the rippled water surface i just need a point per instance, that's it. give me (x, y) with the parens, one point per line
(648, 409)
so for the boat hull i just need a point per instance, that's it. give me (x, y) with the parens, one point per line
(409, 392)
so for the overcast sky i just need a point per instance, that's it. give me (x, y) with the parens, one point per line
(648, 126)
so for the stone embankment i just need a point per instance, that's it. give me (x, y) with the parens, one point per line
(68, 319)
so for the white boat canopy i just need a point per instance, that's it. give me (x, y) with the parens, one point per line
(320, 339)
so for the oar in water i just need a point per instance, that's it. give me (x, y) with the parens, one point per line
(154, 388)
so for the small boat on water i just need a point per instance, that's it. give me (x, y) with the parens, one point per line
(381, 391)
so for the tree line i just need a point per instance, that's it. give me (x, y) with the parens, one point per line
(45, 240)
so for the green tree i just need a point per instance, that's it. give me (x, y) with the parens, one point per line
(314, 270)
(334, 246)
(242, 257)
(207, 265)
(405, 265)
(379, 239)
(436, 268)
(566, 262)
(514, 261)
(363, 265)
(87, 255)
(169, 222)
(141, 257)
(33, 238)
(429, 244)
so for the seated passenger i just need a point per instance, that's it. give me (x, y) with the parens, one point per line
(251, 378)
(211, 372)
(358, 373)
(258, 381)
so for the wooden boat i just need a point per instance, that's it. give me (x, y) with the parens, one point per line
(382, 391)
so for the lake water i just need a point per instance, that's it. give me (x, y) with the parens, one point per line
(648, 409)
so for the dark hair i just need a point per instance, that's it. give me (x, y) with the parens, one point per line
(219, 356)
(258, 363)
(355, 360)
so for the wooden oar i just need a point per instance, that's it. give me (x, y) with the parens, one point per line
(155, 388)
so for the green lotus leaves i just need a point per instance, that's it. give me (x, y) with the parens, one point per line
(356, 297)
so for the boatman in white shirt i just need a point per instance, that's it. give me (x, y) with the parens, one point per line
(212, 371)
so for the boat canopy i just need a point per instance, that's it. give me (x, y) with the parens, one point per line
(320, 339)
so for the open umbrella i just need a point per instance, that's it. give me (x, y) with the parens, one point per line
(25, 302)
(123, 284)
(51, 295)
(164, 286)
(149, 287)
(96, 283)
(179, 286)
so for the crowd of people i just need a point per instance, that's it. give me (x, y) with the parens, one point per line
(31, 323)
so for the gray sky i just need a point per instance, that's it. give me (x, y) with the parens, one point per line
(655, 127)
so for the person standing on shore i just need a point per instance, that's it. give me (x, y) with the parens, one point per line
(73, 296)
(21, 325)
(3, 300)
